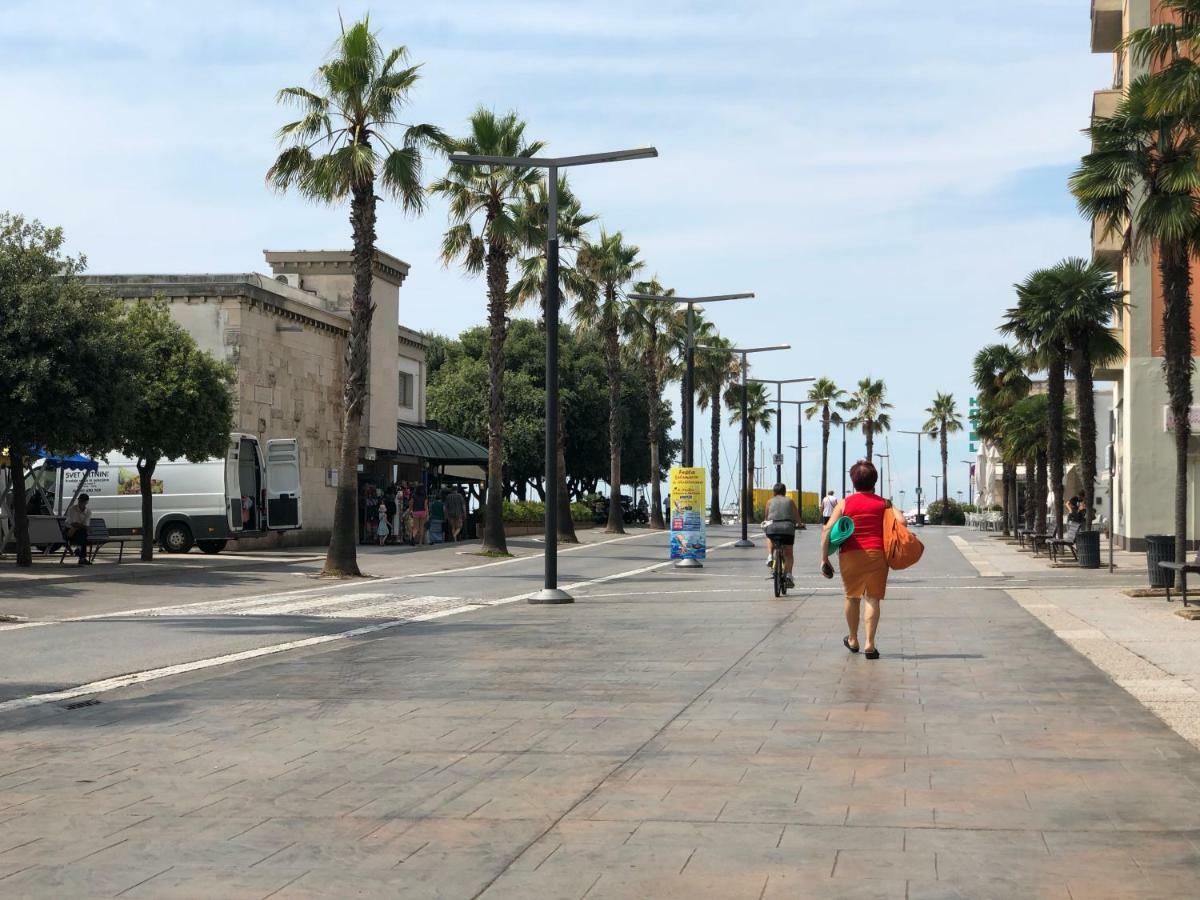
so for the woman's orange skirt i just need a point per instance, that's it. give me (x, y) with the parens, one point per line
(864, 573)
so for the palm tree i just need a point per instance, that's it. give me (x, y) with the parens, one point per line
(944, 420)
(530, 287)
(1090, 301)
(360, 93)
(1037, 324)
(824, 395)
(716, 373)
(650, 324)
(611, 264)
(1025, 440)
(703, 331)
(758, 415)
(1144, 173)
(869, 410)
(1000, 377)
(485, 205)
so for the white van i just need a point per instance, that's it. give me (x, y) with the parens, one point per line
(204, 504)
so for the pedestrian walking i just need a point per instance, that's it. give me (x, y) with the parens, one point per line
(456, 513)
(828, 504)
(420, 512)
(862, 561)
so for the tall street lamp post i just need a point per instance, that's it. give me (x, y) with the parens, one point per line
(920, 490)
(550, 593)
(843, 459)
(779, 401)
(689, 378)
(799, 447)
(881, 457)
(744, 489)
(937, 496)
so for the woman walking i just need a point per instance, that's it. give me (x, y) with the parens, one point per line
(863, 563)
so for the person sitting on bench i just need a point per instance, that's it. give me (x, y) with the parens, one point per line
(78, 519)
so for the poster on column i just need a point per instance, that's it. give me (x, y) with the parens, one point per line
(688, 537)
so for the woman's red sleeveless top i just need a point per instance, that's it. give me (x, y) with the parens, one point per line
(866, 510)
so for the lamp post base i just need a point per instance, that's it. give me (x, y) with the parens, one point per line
(688, 564)
(744, 543)
(551, 598)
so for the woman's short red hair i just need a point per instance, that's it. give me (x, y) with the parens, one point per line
(864, 475)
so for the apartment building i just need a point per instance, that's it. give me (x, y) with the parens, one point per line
(1143, 443)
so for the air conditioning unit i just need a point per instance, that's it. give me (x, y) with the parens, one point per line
(292, 279)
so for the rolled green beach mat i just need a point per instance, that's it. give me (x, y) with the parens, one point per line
(841, 531)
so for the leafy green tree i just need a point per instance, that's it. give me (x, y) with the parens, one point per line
(61, 358)
(486, 202)
(826, 399)
(611, 264)
(758, 415)
(650, 324)
(1090, 303)
(716, 372)
(998, 372)
(180, 402)
(944, 420)
(1141, 181)
(360, 93)
(869, 407)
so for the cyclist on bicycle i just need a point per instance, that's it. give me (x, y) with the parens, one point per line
(781, 508)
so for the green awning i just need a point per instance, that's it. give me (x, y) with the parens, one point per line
(438, 446)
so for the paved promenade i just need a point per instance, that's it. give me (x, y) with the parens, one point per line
(669, 735)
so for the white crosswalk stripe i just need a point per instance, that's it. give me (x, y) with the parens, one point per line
(363, 605)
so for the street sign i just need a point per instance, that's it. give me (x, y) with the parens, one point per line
(919, 492)
(777, 459)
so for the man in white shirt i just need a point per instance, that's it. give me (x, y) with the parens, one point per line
(828, 505)
(78, 519)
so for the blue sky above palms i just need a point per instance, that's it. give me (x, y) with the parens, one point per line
(878, 172)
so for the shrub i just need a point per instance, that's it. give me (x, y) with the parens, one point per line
(527, 512)
(954, 514)
(581, 512)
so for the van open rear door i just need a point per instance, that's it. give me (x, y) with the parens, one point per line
(283, 485)
(233, 490)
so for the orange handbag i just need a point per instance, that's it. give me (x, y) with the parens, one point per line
(901, 546)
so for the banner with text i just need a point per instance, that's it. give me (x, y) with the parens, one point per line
(688, 537)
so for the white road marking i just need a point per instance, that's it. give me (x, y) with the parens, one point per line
(123, 681)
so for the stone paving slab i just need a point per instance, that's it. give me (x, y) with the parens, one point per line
(638, 745)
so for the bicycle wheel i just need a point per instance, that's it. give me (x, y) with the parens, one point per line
(777, 574)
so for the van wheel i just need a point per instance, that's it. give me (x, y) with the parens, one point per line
(176, 538)
(211, 547)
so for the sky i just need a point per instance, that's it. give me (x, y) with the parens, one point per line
(878, 172)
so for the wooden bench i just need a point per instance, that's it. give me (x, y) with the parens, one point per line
(97, 537)
(1066, 542)
(1183, 569)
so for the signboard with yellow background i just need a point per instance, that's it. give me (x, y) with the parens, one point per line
(688, 536)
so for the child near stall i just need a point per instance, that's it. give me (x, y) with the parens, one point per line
(382, 529)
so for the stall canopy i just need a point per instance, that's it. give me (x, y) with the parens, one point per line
(438, 447)
(72, 461)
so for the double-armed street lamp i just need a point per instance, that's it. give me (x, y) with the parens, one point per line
(920, 434)
(744, 488)
(550, 592)
(779, 401)
(689, 378)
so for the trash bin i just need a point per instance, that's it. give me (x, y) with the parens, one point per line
(1087, 548)
(1160, 548)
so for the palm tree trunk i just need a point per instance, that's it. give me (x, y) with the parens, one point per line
(566, 524)
(342, 559)
(869, 431)
(145, 470)
(1030, 492)
(612, 359)
(494, 540)
(1057, 389)
(945, 472)
(1006, 478)
(825, 422)
(1178, 366)
(1039, 502)
(1085, 405)
(714, 461)
(654, 401)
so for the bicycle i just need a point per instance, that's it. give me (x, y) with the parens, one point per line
(778, 574)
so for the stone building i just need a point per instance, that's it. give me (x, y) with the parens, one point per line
(285, 335)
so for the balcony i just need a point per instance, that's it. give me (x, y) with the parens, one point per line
(1104, 103)
(1108, 25)
(1108, 249)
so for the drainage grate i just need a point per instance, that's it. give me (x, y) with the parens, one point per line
(81, 704)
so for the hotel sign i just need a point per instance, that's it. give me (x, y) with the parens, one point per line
(1193, 419)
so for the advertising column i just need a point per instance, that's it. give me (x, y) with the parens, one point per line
(688, 538)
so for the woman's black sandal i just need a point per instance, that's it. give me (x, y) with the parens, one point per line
(846, 643)
(872, 654)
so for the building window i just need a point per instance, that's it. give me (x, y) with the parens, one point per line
(407, 390)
